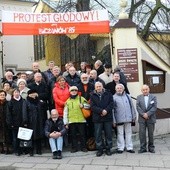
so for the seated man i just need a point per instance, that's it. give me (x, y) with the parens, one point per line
(54, 130)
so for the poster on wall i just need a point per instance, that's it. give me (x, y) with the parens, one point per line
(128, 61)
(86, 22)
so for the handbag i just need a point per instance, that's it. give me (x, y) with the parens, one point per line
(25, 143)
(86, 109)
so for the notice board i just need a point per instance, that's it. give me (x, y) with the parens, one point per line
(128, 61)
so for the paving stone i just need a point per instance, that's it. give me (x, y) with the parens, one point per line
(151, 163)
(120, 168)
(45, 166)
(141, 168)
(36, 159)
(80, 161)
(70, 167)
(94, 167)
(102, 161)
(23, 165)
(127, 162)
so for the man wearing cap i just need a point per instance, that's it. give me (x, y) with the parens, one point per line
(107, 75)
(74, 119)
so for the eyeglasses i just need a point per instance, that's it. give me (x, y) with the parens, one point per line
(74, 90)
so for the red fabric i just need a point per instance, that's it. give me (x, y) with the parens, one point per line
(60, 96)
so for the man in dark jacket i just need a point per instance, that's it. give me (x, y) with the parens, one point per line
(102, 105)
(116, 80)
(54, 130)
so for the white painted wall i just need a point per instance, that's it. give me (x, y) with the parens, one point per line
(127, 38)
(18, 50)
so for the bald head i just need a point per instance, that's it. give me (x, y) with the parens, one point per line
(145, 89)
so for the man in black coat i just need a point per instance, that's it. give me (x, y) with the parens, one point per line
(41, 88)
(116, 80)
(102, 105)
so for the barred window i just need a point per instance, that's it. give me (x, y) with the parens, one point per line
(39, 49)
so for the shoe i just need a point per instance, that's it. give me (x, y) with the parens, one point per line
(152, 151)
(99, 153)
(31, 154)
(108, 152)
(142, 151)
(119, 151)
(74, 150)
(59, 156)
(131, 151)
(55, 155)
(39, 152)
(17, 154)
(84, 150)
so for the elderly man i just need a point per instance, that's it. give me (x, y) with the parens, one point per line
(102, 105)
(35, 69)
(98, 65)
(40, 86)
(48, 72)
(94, 78)
(54, 130)
(146, 105)
(123, 115)
(116, 80)
(72, 78)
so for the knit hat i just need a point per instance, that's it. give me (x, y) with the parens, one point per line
(73, 88)
(21, 80)
(31, 91)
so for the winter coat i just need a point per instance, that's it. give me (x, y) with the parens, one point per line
(34, 118)
(51, 126)
(73, 81)
(16, 113)
(4, 135)
(72, 111)
(99, 103)
(111, 87)
(124, 110)
(60, 96)
(86, 95)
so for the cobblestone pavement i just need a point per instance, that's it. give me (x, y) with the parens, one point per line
(88, 161)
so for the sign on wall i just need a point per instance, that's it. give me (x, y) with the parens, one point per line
(87, 22)
(128, 61)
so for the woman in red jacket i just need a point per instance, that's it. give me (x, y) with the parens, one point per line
(60, 94)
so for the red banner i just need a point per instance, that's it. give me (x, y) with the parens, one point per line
(16, 23)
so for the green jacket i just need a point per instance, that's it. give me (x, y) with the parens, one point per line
(72, 111)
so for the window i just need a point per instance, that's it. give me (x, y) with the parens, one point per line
(39, 48)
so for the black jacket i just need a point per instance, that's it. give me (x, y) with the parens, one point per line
(111, 87)
(16, 113)
(34, 118)
(99, 103)
(51, 126)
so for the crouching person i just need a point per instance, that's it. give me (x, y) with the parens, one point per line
(54, 130)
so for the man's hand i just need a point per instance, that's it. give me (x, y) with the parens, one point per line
(145, 116)
(55, 135)
(104, 113)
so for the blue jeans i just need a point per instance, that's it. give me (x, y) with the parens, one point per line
(107, 128)
(56, 144)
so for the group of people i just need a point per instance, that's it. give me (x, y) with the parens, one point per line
(26, 100)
